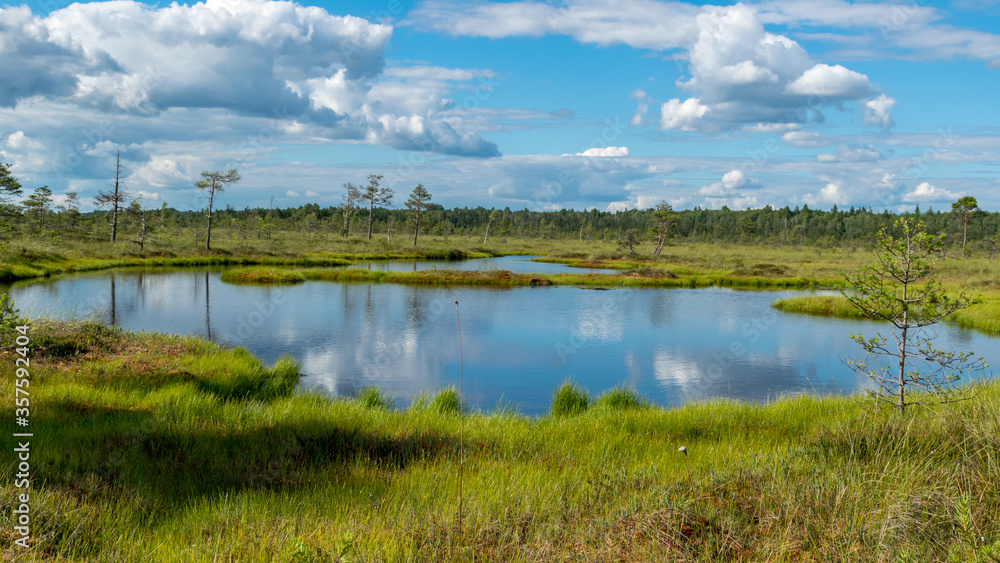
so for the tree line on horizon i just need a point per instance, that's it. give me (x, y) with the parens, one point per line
(365, 213)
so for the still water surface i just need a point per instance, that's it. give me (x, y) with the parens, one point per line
(519, 344)
(516, 264)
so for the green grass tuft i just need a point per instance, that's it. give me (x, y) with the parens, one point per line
(621, 398)
(247, 379)
(375, 398)
(569, 399)
(446, 401)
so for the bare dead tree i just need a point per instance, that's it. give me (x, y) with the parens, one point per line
(114, 198)
(349, 206)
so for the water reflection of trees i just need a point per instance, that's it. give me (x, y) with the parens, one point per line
(127, 297)
(128, 300)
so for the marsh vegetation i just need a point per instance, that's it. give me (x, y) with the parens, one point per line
(169, 448)
(174, 449)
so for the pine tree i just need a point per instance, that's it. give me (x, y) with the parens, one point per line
(420, 200)
(889, 291)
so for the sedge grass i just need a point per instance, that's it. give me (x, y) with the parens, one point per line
(621, 398)
(983, 316)
(820, 305)
(569, 399)
(269, 276)
(375, 398)
(135, 459)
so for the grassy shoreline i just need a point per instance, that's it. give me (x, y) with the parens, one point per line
(51, 264)
(158, 447)
(983, 316)
(685, 266)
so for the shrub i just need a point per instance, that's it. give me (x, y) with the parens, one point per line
(764, 269)
(9, 318)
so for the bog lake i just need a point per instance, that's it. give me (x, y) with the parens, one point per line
(518, 345)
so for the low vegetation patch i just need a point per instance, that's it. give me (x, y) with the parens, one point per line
(269, 276)
(501, 278)
(984, 316)
(446, 401)
(821, 305)
(762, 269)
(651, 272)
(11, 271)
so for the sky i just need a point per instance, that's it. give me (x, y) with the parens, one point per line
(579, 104)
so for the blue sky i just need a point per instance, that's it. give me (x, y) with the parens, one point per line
(607, 104)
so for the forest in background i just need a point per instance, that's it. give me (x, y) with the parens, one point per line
(367, 211)
(783, 226)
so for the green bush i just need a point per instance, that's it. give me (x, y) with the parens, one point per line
(569, 399)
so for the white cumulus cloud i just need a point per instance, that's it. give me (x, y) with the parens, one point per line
(730, 191)
(685, 116)
(732, 180)
(831, 194)
(927, 192)
(831, 82)
(878, 111)
(607, 151)
(226, 65)
(854, 152)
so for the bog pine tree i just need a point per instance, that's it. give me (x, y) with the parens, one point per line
(214, 182)
(900, 288)
(420, 200)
